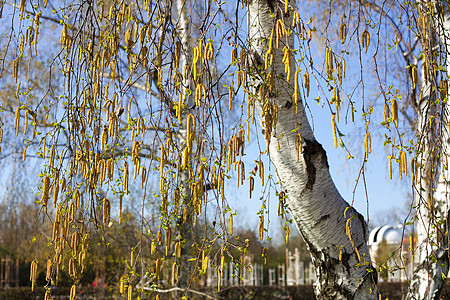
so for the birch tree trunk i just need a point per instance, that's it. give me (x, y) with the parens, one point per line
(184, 228)
(431, 259)
(319, 211)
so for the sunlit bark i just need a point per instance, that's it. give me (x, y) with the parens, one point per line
(315, 204)
(431, 254)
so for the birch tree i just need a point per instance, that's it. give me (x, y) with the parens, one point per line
(172, 92)
(335, 233)
(431, 256)
(419, 36)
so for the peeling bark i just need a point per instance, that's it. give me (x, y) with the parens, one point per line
(319, 211)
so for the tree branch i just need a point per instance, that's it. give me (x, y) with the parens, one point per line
(174, 289)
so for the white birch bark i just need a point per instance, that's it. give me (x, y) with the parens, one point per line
(431, 256)
(185, 229)
(427, 278)
(315, 204)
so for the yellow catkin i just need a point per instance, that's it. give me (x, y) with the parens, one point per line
(130, 292)
(196, 57)
(365, 40)
(231, 94)
(306, 83)
(269, 55)
(143, 177)
(48, 275)
(233, 57)
(222, 264)
(209, 51)
(205, 260)
(153, 246)
(343, 32)
(74, 241)
(178, 249)
(24, 154)
(414, 75)
(242, 172)
(1, 134)
(55, 189)
(386, 113)
(190, 127)
(349, 234)
(411, 245)
(106, 212)
(52, 156)
(287, 234)
(73, 292)
(47, 295)
(394, 111)
(287, 62)
(33, 274)
(72, 211)
(45, 192)
(281, 31)
(264, 254)
(174, 273)
(296, 21)
(121, 286)
(367, 145)
(270, 43)
(390, 166)
(125, 177)
(414, 167)
(333, 126)
(82, 259)
(261, 172)
(240, 78)
(219, 280)
(329, 62)
(104, 137)
(261, 227)
(230, 225)
(76, 197)
(15, 71)
(159, 237)
(168, 240)
(17, 120)
(281, 203)
(404, 162)
(25, 127)
(132, 257)
(337, 100)
(251, 185)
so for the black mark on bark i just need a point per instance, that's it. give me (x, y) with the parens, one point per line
(313, 152)
(322, 219)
